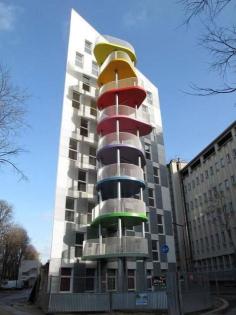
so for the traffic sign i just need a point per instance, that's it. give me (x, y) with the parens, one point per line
(164, 249)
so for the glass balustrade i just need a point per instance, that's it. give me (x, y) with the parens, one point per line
(119, 170)
(124, 110)
(128, 205)
(114, 246)
(114, 56)
(124, 83)
(124, 138)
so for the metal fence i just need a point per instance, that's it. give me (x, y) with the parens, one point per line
(183, 293)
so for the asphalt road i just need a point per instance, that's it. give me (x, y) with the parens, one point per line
(14, 302)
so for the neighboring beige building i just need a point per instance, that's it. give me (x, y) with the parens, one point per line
(203, 196)
(28, 272)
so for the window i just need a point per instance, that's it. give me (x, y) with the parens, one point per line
(79, 238)
(65, 279)
(147, 222)
(233, 181)
(76, 100)
(149, 279)
(84, 127)
(197, 180)
(151, 202)
(217, 166)
(147, 148)
(111, 279)
(193, 183)
(202, 177)
(205, 198)
(92, 156)
(156, 175)
(70, 203)
(79, 60)
(93, 108)
(211, 170)
(155, 255)
(234, 153)
(88, 47)
(90, 276)
(222, 163)
(94, 68)
(228, 159)
(206, 174)
(91, 205)
(69, 215)
(82, 176)
(86, 83)
(131, 279)
(160, 224)
(226, 184)
(149, 97)
(73, 149)
(189, 187)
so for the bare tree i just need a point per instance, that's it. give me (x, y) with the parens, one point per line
(15, 244)
(31, 253)
(220, 41)
(12, 119)
(5, 217)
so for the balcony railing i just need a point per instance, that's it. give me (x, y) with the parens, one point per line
(119, 170)
(124, 110)
(129, 246)
(114, 56)
(125, 138)
(124, 83)
(128, 205)
(115, 41)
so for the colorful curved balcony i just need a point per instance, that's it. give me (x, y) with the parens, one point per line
(130, 92)
(117, 62)
(133, 212)
(130, 120)
(129, 145)
(107, 44)
(129, 175)
(127, 246)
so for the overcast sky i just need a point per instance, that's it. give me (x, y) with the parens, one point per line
(33, 44)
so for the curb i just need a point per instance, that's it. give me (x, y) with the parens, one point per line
(225, 305)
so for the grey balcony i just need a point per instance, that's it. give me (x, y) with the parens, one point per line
(130, 148)
(129, 175)
(127, 246)
(133, 212)
(123, 110)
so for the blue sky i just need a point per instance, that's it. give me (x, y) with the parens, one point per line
(33, 44)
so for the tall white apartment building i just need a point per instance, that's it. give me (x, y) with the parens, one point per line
(112, 208)
(203, 195)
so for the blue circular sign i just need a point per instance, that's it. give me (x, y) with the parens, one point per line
(164, 249)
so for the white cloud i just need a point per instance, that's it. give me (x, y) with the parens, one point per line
(7, 16)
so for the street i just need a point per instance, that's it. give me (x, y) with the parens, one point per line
(14, 302)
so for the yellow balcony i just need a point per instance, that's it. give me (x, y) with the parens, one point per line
(107, 44)
(117, 62)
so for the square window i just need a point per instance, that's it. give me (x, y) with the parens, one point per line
(147, 148)
(94, 68)
(79, 60)
(65, 284)
(82, 177)
(69, 216)
(70, 203)
(149, 97)
(88, 47)
(84, 127)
